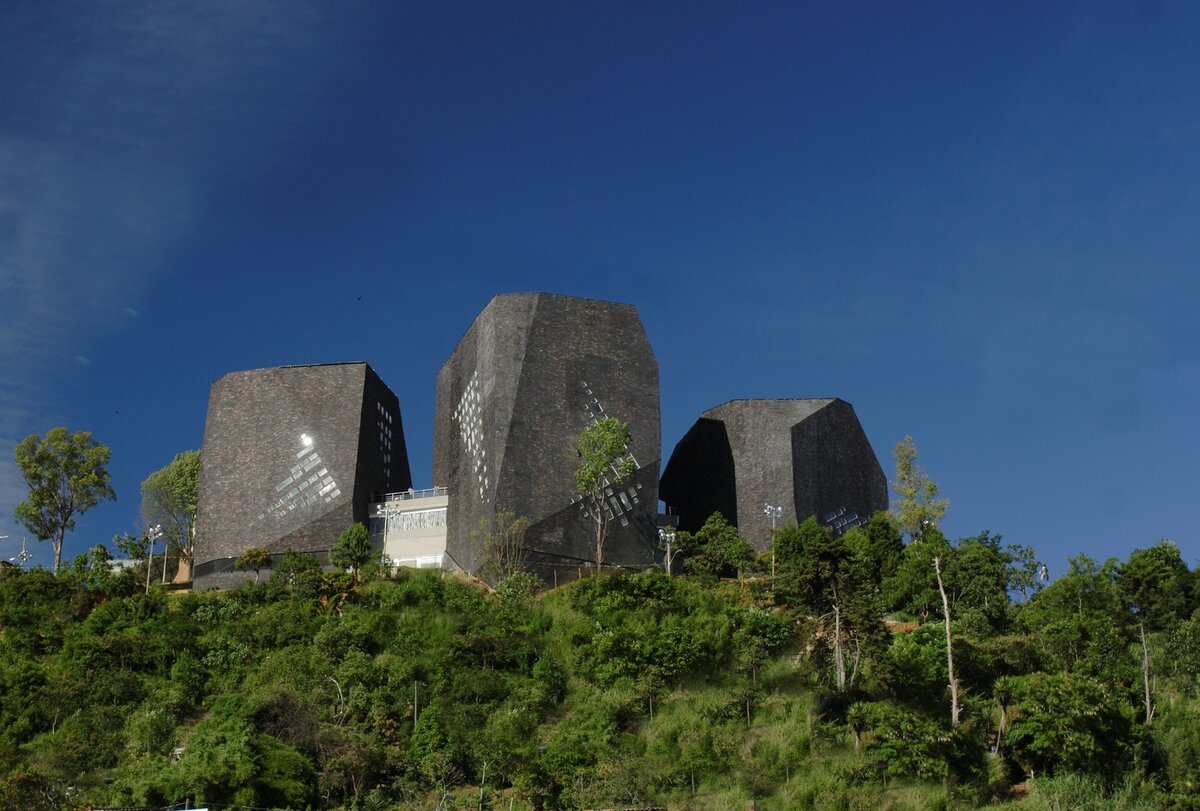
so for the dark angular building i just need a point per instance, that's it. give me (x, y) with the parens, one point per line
(528, 377)
(807, 456)
(291, 457)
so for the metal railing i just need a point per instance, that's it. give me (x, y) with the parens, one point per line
(409, 495)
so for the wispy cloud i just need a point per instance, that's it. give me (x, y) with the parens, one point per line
(112, 121)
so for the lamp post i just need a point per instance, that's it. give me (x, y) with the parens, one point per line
(774, 513)
(668, 538)
(22, 557)
(152, 535)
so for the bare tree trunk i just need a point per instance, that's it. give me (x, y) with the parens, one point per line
(839, 658)
(1146, 674)
(1003, 727)
(599, 535)
(57, 543)
(954, 708)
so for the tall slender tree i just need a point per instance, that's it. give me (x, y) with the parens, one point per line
(170, 497)
(918, 508)
(67, 475)
(604, 463)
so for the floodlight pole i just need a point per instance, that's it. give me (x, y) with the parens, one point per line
(152, 535)
(774, 513)
(668, 538)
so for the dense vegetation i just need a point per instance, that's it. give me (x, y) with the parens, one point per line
(324, 690)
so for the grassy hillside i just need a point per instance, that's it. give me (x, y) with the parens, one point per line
(311, 690)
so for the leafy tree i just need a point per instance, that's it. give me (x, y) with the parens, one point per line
(1184, 644)
(67, 475)
(353, 548)
(1079, 620)
(1065, 722)
(881, 547)
(92, 569)
(717, 549)
(837, 580)
(169, 500)
(255, 558)
(503, 544)
(1025, 571)
(1153, 583)
(132, 546)
(905, 743)
(604, 463)
(918, 508)
(297, 575)
(977, 579)
(912, 588)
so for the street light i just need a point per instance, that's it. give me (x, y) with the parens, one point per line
(668, 538)
(152, 535)
(24, 554)
(774, 513)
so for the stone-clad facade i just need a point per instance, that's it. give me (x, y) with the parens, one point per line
(808, 456)
(291, 457)
(530, 374)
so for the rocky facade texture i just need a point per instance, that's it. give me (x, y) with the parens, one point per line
(531, 373)
(291, 458)
(808, 456)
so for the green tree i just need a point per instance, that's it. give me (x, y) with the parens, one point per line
(169, 500)
(1065, 722)
(836, 579)
(881, 545)
(717, 549)
(1154, 585)
(1024, 571)
(977, 577)
(254, 558)
(905, 743)
(912, 588)
(132, 546)
(918, 508)
(353, 548)
(67, 475)
(604, 464)
(503, 543)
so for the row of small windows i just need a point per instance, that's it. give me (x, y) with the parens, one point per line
(385, 440)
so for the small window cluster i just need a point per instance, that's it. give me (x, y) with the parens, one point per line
(469, 416)
(385, 442)
(308, 482)
(841, 521)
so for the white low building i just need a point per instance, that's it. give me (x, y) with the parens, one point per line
(409, 528)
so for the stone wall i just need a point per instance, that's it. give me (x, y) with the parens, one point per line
(808, 456)
(291, 457)
(530, 374)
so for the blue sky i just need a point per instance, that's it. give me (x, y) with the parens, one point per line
(976, 222)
